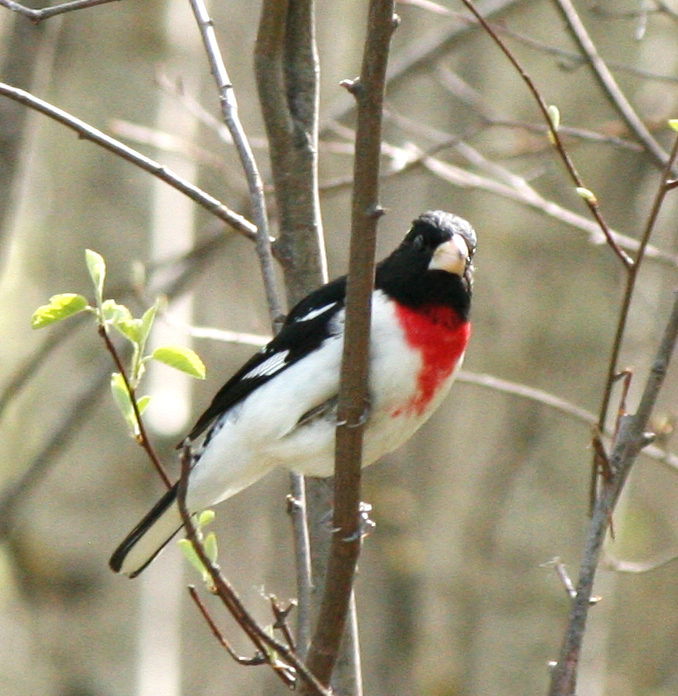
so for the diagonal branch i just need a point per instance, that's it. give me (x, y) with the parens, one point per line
(628, 443)
(266, 645)
(590, 200)
(46, 12)
(84, 130)
(608, 84)
(229, 110)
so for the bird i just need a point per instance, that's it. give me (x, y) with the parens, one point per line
(279, 409)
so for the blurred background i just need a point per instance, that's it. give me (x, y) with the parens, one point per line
(455, 593)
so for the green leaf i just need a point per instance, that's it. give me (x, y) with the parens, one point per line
(180, 358)
(142, 403)
(59, 307)
(189, 552)
(205, 517)
(210, 544)
(123, 401)
(146, 324)
(97, 272)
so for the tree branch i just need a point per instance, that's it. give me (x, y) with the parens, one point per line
(263, 642)
(628, 443)
(84, 130)
(287, 73)
(46, 12)
(353, 396)
(663, 188)
(590, 201)
(608, 84)
(229, 109)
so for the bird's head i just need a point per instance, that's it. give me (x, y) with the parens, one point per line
(434, 262)
(447, 241)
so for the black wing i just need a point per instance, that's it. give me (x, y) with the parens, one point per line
(305, 328)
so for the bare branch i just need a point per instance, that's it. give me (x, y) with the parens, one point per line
(590, 201)
(263, 642)
(609, 85)
(229, 109)
(627, 445)
(38, 15)
(287, 73)
(84, 130)
(258, 659)
(353, 396)
(662, 190)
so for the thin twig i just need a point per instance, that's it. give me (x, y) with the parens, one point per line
(608, 84)
(45, 13)
(513, 187)
(420, 53)
(663, 188)
(187, 267)
(229, 110)
(258, 659)
(575, 59)
(88, 132)
(626, 447)
(142, 437)
(590, 201)
(636, 567)
(262, 641)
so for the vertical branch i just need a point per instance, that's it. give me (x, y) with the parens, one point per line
(628, 443)
(229, 108)
(287, 72)
(353, 396)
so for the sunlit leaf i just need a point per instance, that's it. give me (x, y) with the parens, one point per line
(142, 403)
(181, 358)
(97, 272)
(189, 552)
(205, 517)
(59, 307)
(123, 401)
(210, 545)
(147, 322)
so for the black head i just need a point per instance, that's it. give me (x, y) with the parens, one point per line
(433, 264)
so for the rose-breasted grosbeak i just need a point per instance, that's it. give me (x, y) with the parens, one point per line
(279, 409)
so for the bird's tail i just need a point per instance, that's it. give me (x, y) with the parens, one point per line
(149, 537)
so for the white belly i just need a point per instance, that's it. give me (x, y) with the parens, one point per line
(262, 433)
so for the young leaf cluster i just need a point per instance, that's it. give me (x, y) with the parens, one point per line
(209, 543)
(111, 314)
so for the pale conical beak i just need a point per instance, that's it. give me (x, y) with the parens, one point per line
(452, 256)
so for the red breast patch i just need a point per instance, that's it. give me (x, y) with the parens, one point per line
(440, 335)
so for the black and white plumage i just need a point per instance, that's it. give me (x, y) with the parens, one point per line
(278, 409)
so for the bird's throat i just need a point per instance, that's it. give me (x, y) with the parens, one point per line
(440, 335)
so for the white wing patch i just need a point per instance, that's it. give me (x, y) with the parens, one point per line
(270, 366)
(316, 312)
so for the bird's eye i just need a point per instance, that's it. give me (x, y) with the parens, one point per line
(418, 243)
